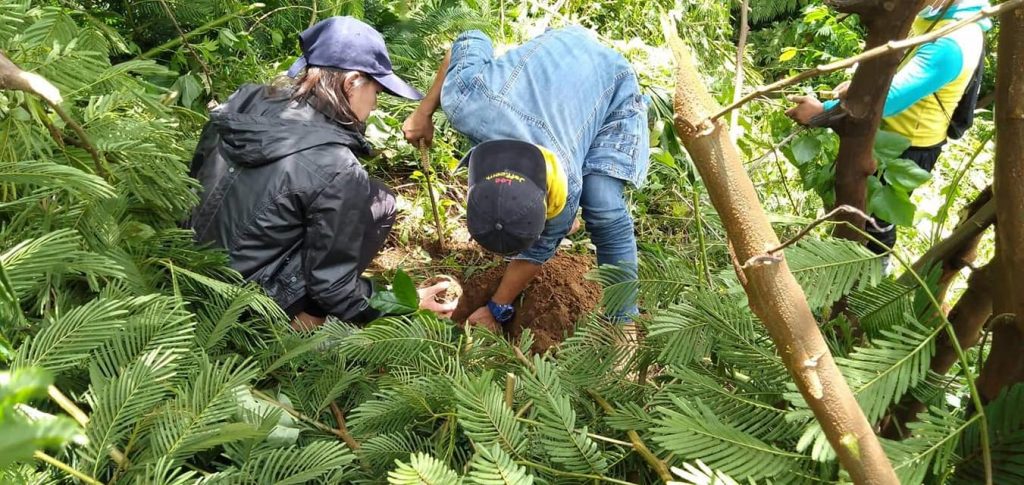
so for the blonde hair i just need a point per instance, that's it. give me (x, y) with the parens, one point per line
(324, 89)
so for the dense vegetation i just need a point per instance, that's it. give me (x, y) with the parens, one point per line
(136, 357)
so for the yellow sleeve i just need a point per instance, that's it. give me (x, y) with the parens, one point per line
(558, 184)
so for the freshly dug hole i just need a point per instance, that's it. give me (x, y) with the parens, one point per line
(550, 306)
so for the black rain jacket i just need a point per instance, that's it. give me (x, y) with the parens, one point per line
(284, 193)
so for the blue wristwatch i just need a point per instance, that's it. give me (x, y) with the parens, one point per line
(501, 313)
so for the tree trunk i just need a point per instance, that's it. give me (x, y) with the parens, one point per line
(885, 21)
(775, 297)
(967, 317)
(967, 253)
(1005, 365)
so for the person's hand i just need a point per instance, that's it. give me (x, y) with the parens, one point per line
(418, 126)
(427, 301)
(576, 224)
(840, 91)
(807, 107)
(483, 317)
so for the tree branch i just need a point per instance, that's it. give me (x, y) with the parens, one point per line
(14, 78)
(639, 446)
(740, 74)
(772, 291)
(883, 50)
(342, 429)
(769, 256)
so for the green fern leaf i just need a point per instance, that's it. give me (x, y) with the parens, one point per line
(68, 340)
(423, 469)
(317, 462)
(694, 432)
(1006, 436)
(567, 446)
(829, 269)
(492, 466)
(486, 418)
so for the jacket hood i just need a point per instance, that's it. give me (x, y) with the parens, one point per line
(257, 128)
(963, 9)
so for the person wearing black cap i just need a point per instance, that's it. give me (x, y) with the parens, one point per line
(282, 189)
(558, 125)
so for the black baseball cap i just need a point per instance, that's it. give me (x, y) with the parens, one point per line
(507, 206)
(349, 44)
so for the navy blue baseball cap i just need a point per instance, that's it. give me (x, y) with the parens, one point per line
(507, 204)
(349, 44)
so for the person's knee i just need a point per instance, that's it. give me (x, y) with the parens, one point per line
(383, 203)
(608, 225)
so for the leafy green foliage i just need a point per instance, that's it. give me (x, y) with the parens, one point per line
(182, 367)
(401, 299)
(25, 434)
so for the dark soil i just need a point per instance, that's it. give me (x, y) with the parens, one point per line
(550, 306)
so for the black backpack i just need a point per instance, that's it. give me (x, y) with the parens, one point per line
(963, 116)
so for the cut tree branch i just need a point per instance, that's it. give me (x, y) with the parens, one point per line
(639, 446)
(882, 50)
(14, 78)
(770, 256)
(773, 293)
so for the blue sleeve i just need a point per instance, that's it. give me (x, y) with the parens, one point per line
(933, 66)
(470, 49)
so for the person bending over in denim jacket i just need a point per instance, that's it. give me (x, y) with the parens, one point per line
(558, 124)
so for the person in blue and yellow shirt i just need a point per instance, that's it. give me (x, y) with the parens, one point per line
(926, 90)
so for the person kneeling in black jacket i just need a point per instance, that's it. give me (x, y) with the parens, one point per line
(282, 189)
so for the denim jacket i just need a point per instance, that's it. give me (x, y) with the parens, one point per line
(562, 90)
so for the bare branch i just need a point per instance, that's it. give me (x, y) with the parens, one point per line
(769, 256)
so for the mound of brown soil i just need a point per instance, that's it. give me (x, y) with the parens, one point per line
(549, 307)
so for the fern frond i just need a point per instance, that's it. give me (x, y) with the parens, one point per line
(155, 323)
(695, 432)
(400, 340)
(423, 469)
(318, 462)
(119, 404)
(930, 447)
(566, 445)
(486, 418)
(492, 466)
(829, 269)
(882, 307)
(1006, 435)
(698, 473)
(385, 449)
(67, 340)
(200, 417)
(56, 177)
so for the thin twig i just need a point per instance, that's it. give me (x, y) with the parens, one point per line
(298, 415)
(342, 429)
(13, 77)
(171, 44)
(427, 171)
(769, 256)
(184, 41)
(639, 446)
(510, 388)
(39, 455)
(778, 146)
(882, 50)
(81, 418)
(316, 13)
(261, 18)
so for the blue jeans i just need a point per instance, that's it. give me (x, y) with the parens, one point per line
(611, 229)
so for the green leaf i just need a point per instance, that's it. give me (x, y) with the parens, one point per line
(889, 145)
(893, 205)
(400, 300)
(905, 174)
(806, 149)
(788, 54)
